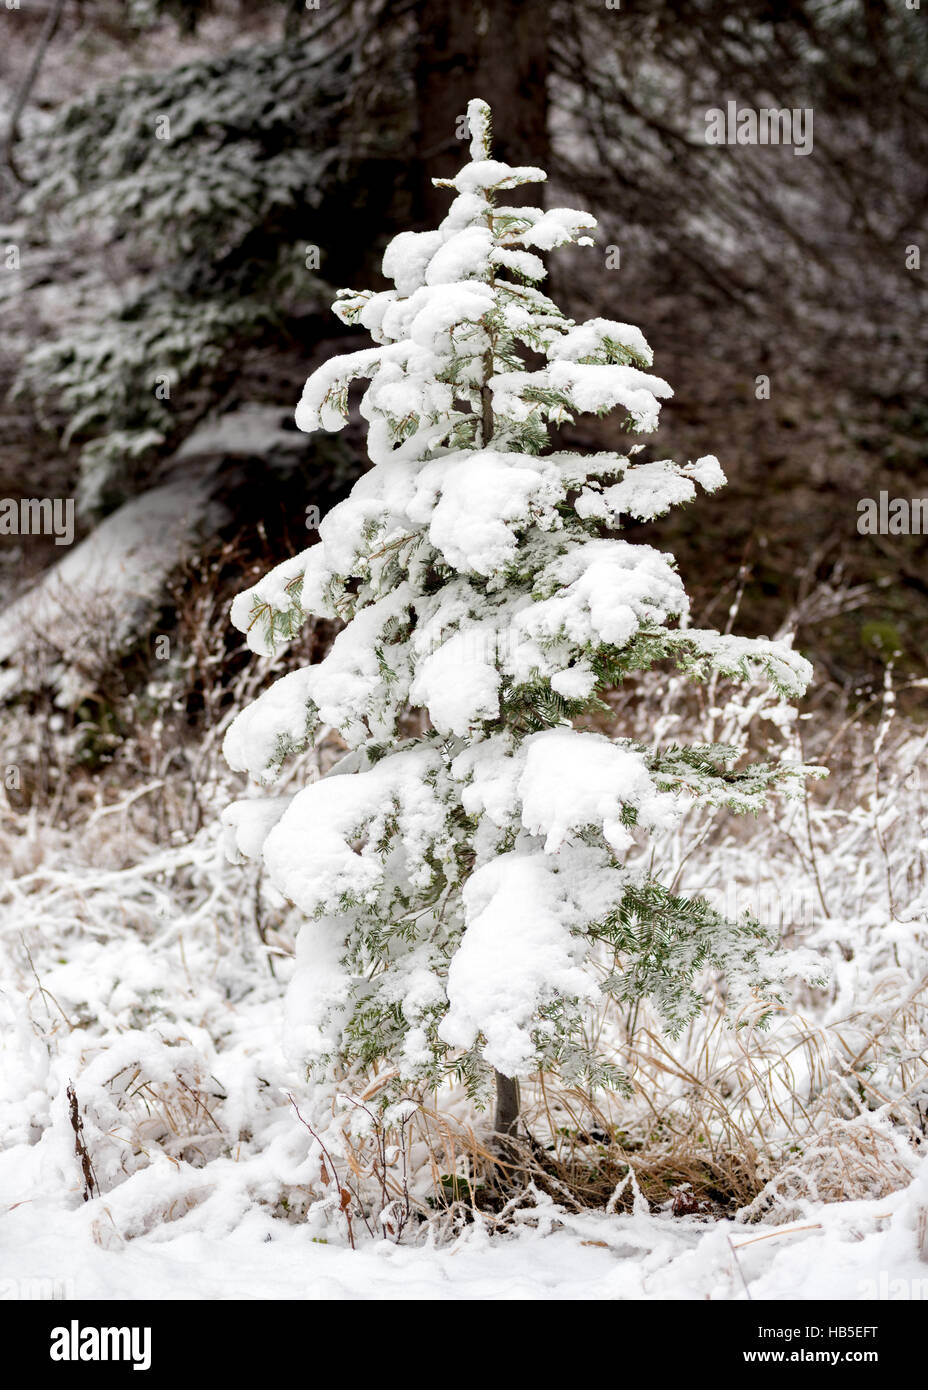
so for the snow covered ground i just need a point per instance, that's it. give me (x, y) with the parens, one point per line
(855, 1251)
(135, 965)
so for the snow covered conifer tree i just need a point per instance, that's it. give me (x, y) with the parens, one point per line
(468, 890)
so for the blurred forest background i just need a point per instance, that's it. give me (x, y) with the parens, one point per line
(185, 184)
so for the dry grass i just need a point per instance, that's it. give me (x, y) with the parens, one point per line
(831, 1103)
(725, 1132)
(849, 1160)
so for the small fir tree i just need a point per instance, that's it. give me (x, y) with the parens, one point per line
(461, 883)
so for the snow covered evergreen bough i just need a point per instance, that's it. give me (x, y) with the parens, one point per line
(471, 890)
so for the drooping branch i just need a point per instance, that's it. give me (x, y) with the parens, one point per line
(49, 29)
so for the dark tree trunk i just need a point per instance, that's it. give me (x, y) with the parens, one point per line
(506, 1116)
(494, 49)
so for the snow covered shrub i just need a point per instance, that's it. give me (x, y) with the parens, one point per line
(466, 867)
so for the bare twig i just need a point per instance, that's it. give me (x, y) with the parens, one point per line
(49, 29)
(91, 1186)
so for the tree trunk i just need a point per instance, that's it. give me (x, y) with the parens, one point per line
(494, 49)
(497, 50)
(506, 1115)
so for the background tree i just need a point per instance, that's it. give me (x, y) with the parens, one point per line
(460, 48)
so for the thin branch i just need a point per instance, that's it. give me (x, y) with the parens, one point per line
(49, 29)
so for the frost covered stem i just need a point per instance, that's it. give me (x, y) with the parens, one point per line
(486, 401)
(489, 366)
(507, 1104)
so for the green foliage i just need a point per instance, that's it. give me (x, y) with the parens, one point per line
(663, 941)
